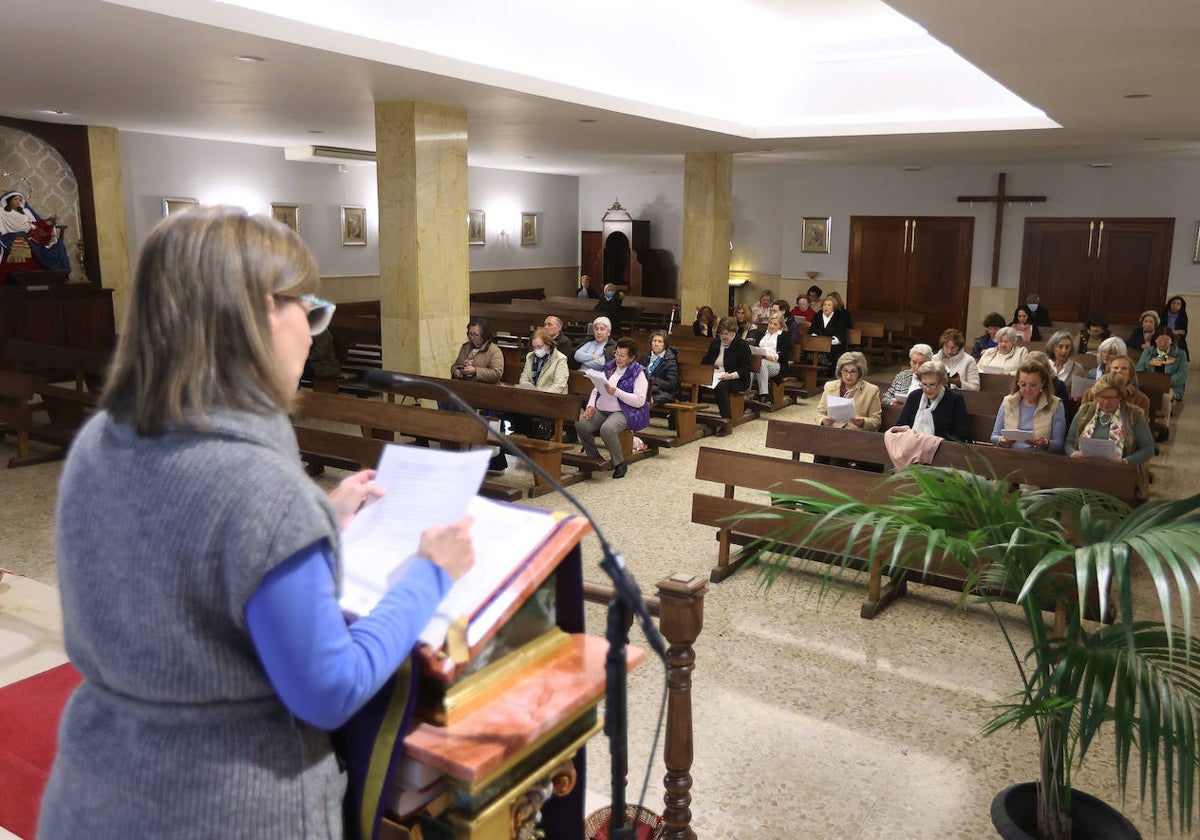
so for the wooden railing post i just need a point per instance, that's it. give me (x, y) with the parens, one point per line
(681, 600)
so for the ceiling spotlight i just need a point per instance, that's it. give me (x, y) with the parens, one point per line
(585, 120)
(1153, 138)
(1101, 165)
(913, 168)
(250, 59)
(1137, 96)
(315, 131)
(58, 112)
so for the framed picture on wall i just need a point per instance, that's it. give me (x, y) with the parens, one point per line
(475, 229)
(814, 238)
(289, 214)
(529, 228)
(1196, 245)
(354, 225)
(174, 205)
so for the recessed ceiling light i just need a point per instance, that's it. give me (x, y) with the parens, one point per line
(528, 157)
(1137, 96)
(252, 59)
(913, 168)
(58, 112)
(1153, 138)
(1101, 165)
(315, 131)
(653, 171)
(585, 120)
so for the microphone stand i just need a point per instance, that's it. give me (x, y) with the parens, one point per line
(626, 601)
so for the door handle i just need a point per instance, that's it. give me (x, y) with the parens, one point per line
(1091, 231)
(1099, 240)
(912, 246)
(904, 250)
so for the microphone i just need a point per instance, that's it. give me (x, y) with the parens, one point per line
(613, 563)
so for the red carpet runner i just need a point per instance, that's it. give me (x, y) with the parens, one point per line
(29, 713)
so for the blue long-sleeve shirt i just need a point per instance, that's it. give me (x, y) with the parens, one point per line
(322, 669)
(1058, 427)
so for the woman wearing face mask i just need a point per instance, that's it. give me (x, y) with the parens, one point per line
(609, 305)
(961, 369)
(731, 357)
(546, 369)
(594, 354)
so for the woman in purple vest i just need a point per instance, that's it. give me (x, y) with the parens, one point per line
(622, 406)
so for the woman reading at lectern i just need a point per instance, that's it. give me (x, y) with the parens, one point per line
(199, 566)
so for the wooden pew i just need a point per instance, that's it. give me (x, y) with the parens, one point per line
(1036, 469)
(560, 409)
(996, 382)
(16, 417)
(694, 379)
(979, 426)
(581, 386)
(380, 422)
(66, 406)
(748, 521)
(806, 367)
(56, 363)
(680, 413)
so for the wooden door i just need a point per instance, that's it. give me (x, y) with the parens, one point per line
(591, 243)
(912, 264)
(1113, 267)
(939, 273)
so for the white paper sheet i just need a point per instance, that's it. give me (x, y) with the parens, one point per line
(1016, 435)
(598, 379)
(840, 409)
(1100, 448)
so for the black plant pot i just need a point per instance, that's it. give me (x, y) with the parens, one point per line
(1014, 813)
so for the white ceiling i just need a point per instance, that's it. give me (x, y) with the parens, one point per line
(765, 79)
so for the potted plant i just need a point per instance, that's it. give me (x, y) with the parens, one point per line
(1051, 552)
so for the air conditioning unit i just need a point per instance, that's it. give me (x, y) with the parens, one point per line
(329, 154)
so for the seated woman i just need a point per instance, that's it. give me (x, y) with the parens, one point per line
(479, 358)
(705, 324)
(776, 347)
(841, 307)
(1109, 349)
(585, 289)
(1032, 407)
(1165, 357)
(831, 322)
(595, 354)
(731, 357)
(993, 322)
(803, 310)
(745, 324)
(546, 369)
(1174, 317)
(790, 325)
(1059, 349)
(662, 368)
(1007, 355)
(1143, 334)
(622, 406)
(934, 408)
(906, 381)
(1023, 324)
(762, 310)
(961, 368)
(1123, 366)
(609, 305)
(1095, 330)
(851, 384)
(1108, 416)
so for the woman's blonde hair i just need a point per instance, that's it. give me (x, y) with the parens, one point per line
(197, 334)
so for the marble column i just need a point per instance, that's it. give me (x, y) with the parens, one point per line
(707, 227)
(421, 153)
(108, 201)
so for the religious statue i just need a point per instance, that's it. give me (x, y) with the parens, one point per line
(18, 221)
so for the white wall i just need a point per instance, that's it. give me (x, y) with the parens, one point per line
(657, 199)
(503, 196)
(156, 166)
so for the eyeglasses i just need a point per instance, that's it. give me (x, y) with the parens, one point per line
(318, 310)
(929, 386)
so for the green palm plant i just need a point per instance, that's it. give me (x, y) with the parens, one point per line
(1052, 552)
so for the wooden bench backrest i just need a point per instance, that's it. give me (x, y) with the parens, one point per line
(979, 426)
(996, 382)
(778, 475)
(31, 354)
(403, 419)
(1034, 468)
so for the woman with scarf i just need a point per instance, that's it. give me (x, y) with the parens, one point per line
(1109, 416)
(622, 406)
(546, 369)
(934, 408)
(961, 367)
(662, 368)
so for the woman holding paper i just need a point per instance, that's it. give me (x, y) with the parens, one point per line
(621, 406)
(935, 409)
(199, 566)
(851, 385)
(775, 347)
(906, 380)
(730, 357)
(1109, 417)
(1031, 417)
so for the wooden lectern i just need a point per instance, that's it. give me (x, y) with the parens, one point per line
(505, 720)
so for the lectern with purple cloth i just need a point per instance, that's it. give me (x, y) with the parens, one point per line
(493, 726)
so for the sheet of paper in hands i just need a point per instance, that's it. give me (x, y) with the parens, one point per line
(992, 369)
(598, 379)
(1016, 435)
(1101, 448)
(755, 350)
(840, 409)
(424, 487)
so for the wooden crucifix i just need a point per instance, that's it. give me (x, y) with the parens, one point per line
(1000, 199)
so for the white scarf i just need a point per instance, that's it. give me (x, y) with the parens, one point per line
(923, 422)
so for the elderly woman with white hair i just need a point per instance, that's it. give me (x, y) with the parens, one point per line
(595, 354)
(935, 409)
(1108, 350)
(1006, 356)
(906, 381)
